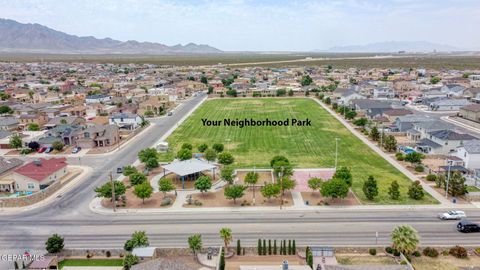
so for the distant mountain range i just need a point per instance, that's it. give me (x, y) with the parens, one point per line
(36, 38)
(396, 46)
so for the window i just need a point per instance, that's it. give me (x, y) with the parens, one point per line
(30, 185)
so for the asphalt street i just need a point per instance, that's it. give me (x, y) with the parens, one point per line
(70, 216)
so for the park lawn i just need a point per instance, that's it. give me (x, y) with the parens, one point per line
(305, 146)
(90, 262)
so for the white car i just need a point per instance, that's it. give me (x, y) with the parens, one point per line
(452, 215)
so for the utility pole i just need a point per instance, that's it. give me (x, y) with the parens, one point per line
(448, 179)
(114, 199)
(381, 137)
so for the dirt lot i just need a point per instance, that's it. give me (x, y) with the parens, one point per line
(346, 259)
(314, 198)
(217, 199)
(235, 262)
(263, 177)
(445, 263)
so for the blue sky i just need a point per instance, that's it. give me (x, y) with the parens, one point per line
(269, 25)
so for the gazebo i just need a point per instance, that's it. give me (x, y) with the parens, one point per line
(188, 169)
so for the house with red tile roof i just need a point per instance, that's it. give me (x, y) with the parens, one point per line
(39, 174)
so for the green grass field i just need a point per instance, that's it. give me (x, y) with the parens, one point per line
(90, 262)
(305, 147)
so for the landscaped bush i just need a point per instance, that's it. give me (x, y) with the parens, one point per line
(108, 254)
(417, 253)
(431, 177)
(419, 168)
(389, 250)
(396, 253)
(430, 252)
(477, 250)
(399, 156)
(372, 251)
(403, 262)
(458, 252)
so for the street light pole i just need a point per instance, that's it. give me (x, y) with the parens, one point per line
(448, 179)
(280, 175)
(336, 152)
(114, 199)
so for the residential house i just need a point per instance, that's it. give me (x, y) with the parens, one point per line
(448, 104)
(6, 166)
(471, 112)
(39, 174)
(68, 120)
(65, 133)
(39, 118)
(383, 93)
(453, 90)
(155, 104)
(469, 152)
(79, 111)
(98, 136)
(97, 98)
(442, 142)
(8, 123)
(126, 120)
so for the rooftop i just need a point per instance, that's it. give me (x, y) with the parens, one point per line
(42, 168)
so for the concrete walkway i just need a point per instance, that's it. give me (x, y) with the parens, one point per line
(460, 124)
(392, 161)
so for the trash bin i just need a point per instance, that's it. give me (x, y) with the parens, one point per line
(307, 203)
(454, 200)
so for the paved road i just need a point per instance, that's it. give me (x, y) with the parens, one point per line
(70, 217)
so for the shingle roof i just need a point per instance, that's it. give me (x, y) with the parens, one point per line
(471, 108)
(44, 168)
(451, 135)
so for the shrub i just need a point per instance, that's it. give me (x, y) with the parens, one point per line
(108, 254)
(431, 177)
(416, 253)
(54, 244)
(419, 168)
(389, 250)
(372, 251)
(403, 262)
(430, 252)
(477, 250)
(399, 156)
(396, 253)
(458, 252)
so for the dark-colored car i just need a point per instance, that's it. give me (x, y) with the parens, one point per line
(466, 226)
(48, 150)
(76, 150)
(119, 170)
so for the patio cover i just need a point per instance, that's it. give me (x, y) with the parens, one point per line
(187, 167)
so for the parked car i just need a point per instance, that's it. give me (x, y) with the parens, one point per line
(41, 149)
(452, 215)
(119, 170)
(466, 226)
(48, 150)
(170, 113)
(76, 150)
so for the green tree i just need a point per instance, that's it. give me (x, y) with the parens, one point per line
(456, 185)
(225, 158)
(239, 247)
(374, 134)
(195, 244)
(188, 146)
(344, 174)
(129, 170)
(210, 155)
(148, 114)
(361, 122)
(269, 247)
(203, 183)
(276, 159)
(34, 145)
(259, 247)
(15, 141)
(274, 247)
(218, 147)
(204, 80)
(58, 145)
(152, 163)
(416, 191)
(54, 244)
(282, 168)
(184, 154)
(227, 174)
(405, 239)
(234, 192)
(202, 147)
(286, 183)
(129, 260)
(350, 114)
(414, 158)
(264, 247)
(222, 260)
(394, 190)
(270, 190)
(435, 80)
(4, 109)
(146, 154)
(105, 191)
(226, 235)
(315, 183)
(306, 80)
(390, 143)
(370, 188)
(138, 239)
(33, 127)
(251, 178)
(334, 188)
(143, 191)
(137, 178)
(165, 185)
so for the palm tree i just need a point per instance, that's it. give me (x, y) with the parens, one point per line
(226, 235)
(405, 239)
(195, 244)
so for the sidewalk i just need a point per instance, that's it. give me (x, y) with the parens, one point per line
(393, 162)
(461, 124)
